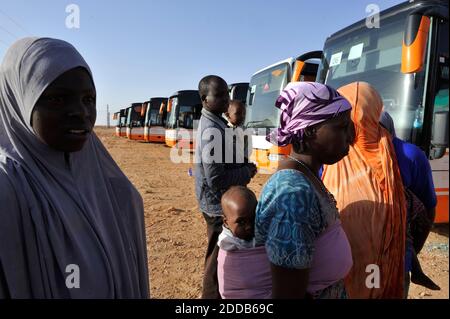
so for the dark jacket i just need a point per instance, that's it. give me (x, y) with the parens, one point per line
(213, 176)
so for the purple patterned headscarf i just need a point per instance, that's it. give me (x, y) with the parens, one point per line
(303, 104)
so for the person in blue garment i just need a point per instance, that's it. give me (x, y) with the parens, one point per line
(421, 197)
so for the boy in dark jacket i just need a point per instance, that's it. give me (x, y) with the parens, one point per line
(213, 176)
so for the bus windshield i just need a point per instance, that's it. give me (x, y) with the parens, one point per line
(186, 116)
(171, 116)
(123, 121)
(374, 56)
(156, 119)
(183, 116)
(129, 111)
(264, 89)
(239, 92)
(117, 119)
(134, 117)
(167, 119)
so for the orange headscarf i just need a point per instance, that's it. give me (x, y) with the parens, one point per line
(368, 188)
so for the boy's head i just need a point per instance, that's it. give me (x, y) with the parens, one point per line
(214, 94)
(236, 112)
(239, 206)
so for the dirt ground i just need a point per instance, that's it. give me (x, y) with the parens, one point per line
(176, 233)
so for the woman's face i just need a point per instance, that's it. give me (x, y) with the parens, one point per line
(65, 113)
(332, 139)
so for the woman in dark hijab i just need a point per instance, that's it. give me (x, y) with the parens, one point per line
(71, 223)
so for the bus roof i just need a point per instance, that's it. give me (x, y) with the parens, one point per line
(155, 102)
(405, 6)
(238, 83)
(187, 92)
(288, 60)
(158, 98)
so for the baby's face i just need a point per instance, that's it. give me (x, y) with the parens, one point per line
(236, 115)
(240, 219)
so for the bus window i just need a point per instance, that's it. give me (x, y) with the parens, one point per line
(374, 56)
(441, 99)
(265, 87)
(172, 116)
(186, 117)
(440, 116)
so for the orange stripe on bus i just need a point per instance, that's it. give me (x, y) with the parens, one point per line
(413, 54)
(156, 138)
(136, 137)
(441, 209)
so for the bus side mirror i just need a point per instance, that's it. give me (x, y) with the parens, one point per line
(250, 99)
(251, 94)
(231, 92)
(439, 140)
(144, 109)
(414, 42)
(298, 68)
(300, 64)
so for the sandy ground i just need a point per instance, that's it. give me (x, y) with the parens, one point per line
(176, 233)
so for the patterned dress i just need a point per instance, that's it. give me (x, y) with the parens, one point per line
(290, 216)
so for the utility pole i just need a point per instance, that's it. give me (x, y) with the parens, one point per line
(107, 115)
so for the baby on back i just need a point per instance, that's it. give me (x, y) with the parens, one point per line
(243, 268)
(238, 205)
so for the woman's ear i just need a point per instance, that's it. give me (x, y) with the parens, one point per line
(298, 146)
(310, 132)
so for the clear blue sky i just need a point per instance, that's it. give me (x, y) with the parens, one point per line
(138, 49)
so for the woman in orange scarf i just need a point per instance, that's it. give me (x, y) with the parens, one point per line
(369, 191)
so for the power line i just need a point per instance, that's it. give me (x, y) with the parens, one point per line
(10, 33)
(14, 21)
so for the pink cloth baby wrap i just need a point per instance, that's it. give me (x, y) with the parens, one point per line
(244, 274)
(332, 259)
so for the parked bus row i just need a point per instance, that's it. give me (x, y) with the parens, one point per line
(160, 118)
(406, 60)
